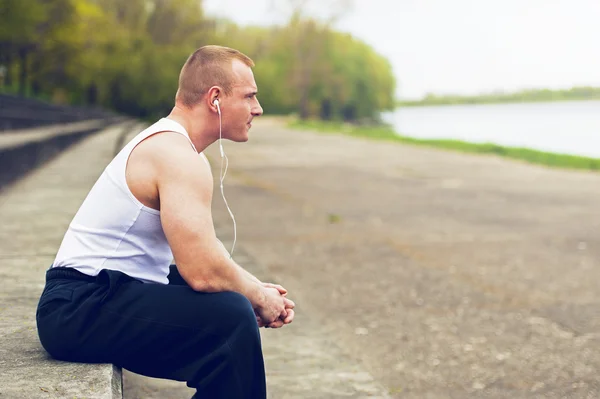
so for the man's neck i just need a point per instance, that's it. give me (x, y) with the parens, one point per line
(196, 127)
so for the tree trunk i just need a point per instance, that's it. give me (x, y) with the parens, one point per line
(8, 77)
(23, 73)
(304, 86)
(92, 94)
(36, 86)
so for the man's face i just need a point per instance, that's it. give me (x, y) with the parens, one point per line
(239, 108)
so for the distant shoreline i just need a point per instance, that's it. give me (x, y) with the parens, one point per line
(527, 96)
(563, 161)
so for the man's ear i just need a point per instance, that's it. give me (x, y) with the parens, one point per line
(214, 93)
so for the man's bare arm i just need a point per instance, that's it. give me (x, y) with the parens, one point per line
(252, 277)
(244, 271)
(184, 183)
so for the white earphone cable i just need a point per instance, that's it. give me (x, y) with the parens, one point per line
(222, 178)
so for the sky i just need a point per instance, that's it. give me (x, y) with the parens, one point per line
(459, 46)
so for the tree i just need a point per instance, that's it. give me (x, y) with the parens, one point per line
(126, 55)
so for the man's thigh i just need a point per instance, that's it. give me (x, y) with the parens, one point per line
(150, 324)
(147, 328)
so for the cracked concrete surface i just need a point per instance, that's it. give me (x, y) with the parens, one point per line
(431, 274)
(447, 275)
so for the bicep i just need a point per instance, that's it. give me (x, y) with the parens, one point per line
(185, 192)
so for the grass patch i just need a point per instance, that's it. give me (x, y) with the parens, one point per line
(563, 161)
(333, 218)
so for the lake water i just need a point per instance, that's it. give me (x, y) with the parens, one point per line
(571, 127)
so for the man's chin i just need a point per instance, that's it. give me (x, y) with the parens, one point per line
(244, 135)
(241, 138)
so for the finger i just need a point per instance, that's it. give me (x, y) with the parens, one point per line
(289, 304)
(283, 314)
(270, 320)
(276, 324)
(278, 287)
(290, 316)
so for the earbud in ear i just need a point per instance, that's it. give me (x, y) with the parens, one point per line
(216, 101)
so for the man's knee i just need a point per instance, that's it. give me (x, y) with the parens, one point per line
(238, 307)
(239, 315)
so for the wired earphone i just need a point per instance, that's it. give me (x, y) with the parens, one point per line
(222, 175)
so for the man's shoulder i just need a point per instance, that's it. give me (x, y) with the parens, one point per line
(171, 155)
(166, 145)
(169, 140)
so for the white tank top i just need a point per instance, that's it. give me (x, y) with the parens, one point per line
(113, 230)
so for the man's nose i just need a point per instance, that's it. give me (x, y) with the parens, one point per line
(257, 110)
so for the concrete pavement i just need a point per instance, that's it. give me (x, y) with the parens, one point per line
(446, 275)
(431, 274)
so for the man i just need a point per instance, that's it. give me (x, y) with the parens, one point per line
(111, 294)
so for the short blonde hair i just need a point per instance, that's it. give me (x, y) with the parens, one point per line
(206, 67)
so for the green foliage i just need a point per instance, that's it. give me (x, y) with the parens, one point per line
(127, 55)
(19, 20)
(307, 68)
(388, 134)
(532, 95)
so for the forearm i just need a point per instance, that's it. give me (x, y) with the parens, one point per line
(223, 274)
(243, 271)
(249, 275)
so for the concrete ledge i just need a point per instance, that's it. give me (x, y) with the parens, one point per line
(25, 149)
(19, 137)
(26, 370)
(17, 112)
(35, 211)
(43, 377)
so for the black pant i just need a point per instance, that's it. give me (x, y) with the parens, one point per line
(209, 340)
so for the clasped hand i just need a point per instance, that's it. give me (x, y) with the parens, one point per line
(278, 311)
